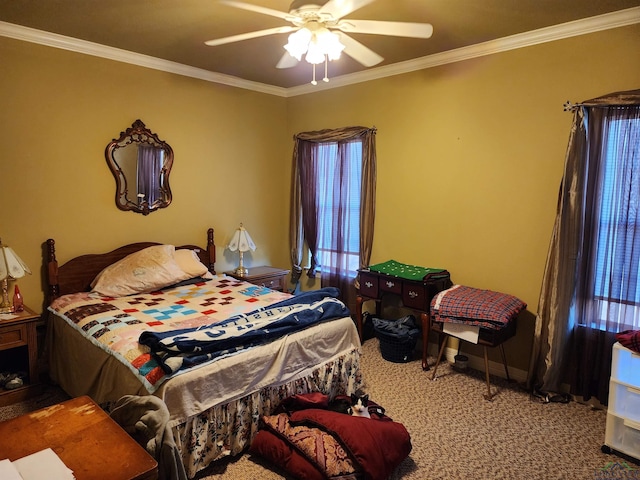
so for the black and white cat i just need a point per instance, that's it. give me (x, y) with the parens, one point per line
(356, 405)
(359, 406)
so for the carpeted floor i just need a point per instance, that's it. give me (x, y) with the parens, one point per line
(455, 433)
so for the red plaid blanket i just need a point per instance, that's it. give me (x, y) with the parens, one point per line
(472, 306)
(629, 339)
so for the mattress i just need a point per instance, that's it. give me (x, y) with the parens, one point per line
(95, 348)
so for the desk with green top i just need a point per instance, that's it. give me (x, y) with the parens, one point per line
(415, 285)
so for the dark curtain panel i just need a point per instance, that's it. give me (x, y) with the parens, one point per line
(589, 291)
(308, 168)
(589, 366)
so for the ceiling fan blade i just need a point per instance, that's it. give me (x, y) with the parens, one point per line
(340, 8)
(287, 61)
(256, 8)
(247, 36)
(379, 27)
(359, 52)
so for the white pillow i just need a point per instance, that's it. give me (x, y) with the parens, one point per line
(190, 263)
(145, 271)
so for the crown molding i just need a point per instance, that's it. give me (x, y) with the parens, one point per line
(607, 21)
(55, 40)
(598, 23)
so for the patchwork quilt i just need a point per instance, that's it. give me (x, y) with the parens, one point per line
(115, 324)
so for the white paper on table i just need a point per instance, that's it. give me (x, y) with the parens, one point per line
(8, 471)
(468, 333)
(43, 464)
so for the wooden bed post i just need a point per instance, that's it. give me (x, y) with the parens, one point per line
(52, 271)
(211, 251)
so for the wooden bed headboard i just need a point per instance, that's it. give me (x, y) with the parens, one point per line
(77, 274)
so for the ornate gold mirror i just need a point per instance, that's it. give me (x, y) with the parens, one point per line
(140, 163)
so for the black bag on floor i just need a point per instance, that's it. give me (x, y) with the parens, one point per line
(398, 338)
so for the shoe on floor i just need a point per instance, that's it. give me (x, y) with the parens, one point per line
(16, 380)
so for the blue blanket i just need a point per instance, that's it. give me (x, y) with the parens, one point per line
(181, 349)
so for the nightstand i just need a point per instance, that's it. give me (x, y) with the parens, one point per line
(19, 353)
(270, 277)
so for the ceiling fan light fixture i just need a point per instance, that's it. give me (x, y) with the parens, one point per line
(321, 33)
(319, 45)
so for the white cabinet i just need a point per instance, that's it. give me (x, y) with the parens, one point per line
(623, 413)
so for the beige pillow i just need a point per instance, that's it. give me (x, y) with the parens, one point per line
(145, 271)
(190, 263)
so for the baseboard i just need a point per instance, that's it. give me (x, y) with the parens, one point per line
(477, 363)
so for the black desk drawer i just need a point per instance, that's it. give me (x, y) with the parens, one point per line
(391, 284)
(414, 295)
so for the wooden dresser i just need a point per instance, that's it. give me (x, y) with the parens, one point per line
(270, 277)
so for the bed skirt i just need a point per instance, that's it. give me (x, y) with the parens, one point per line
(228, 429)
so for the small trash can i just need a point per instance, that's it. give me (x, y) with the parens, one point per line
(461, 363)
(397, 338)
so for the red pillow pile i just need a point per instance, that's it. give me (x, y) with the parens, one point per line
(313, 443)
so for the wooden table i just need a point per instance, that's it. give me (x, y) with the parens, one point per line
(85, 438)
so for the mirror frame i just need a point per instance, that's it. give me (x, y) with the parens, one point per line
(138, 133)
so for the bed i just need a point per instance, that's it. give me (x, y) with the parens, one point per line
(214, 406)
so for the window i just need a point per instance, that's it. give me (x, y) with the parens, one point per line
(616, 283)
(333, 206)
(339, 193)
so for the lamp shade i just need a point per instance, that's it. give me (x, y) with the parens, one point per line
(11, 265)
(241, 241)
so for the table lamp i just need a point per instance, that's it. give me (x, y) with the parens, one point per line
(11, 267)
(242, 242)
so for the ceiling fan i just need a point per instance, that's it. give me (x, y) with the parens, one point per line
(319, 30)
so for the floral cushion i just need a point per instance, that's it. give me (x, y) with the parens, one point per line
(320, 449)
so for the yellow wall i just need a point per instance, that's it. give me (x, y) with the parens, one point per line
(59, 111)
(470, 157)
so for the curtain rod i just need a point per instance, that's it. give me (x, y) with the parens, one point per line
(616, 99)
(570, 107)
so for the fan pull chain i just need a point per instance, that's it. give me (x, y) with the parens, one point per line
(326, 67)
(313, 82)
